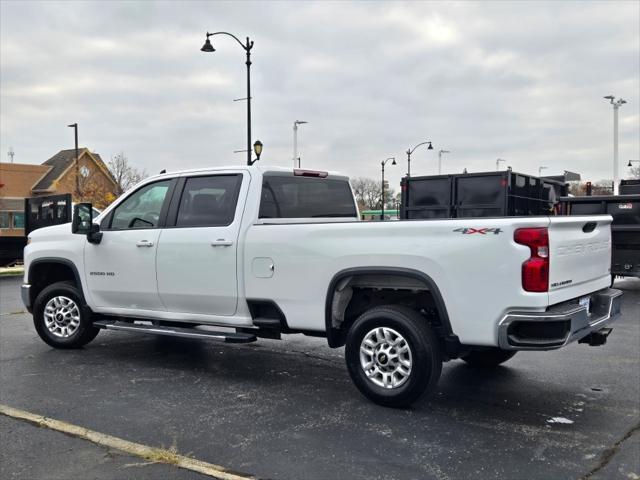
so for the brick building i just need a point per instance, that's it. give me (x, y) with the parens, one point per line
(55, 176)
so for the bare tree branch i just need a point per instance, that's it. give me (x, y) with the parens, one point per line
(125, 174)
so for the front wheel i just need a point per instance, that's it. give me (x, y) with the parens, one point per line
(393, 356)
(488, 358)
(60, 319)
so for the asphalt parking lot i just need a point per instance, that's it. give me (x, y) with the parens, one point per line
(288, 410)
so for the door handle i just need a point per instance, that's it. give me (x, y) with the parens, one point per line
(221, 242)
(144, 243)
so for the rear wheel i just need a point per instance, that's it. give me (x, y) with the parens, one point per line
(488, 358)
(60, 317)
(393, 356)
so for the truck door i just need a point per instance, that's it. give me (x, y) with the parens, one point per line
(121, 269)
(197, 251)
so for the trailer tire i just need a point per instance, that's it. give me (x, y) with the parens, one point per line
(393, 356)
(61, 317)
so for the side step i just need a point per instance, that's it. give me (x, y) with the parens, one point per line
(228, 337)
(271, 323)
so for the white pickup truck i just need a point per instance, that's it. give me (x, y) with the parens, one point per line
(271, 251)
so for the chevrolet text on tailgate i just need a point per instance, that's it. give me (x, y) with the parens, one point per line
(271, 251)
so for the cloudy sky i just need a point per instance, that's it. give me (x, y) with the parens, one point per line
(517, 80)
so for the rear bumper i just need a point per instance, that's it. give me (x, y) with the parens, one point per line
(560, 324)
(25, 292)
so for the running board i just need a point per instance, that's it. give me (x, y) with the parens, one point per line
(228, 337)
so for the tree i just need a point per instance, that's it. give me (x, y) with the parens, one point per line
(368, 194)
(634, 171)
(125, 174)
(601, 187)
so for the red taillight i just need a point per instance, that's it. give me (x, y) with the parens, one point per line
(310, 173)
(535, 271)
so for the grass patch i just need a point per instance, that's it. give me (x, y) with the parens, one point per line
(11, 271)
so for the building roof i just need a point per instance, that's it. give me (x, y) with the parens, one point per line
(16, 179)
(60, 162)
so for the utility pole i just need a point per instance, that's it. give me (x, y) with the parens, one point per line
(295, 142)
(75, 128)
(616, 106)
(498, 160)
(540, 171)
(11, 153)
(383, 164)
(440, 160)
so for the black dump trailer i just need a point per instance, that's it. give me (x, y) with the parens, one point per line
(38, 212)
(486, 194)
(630, 187)
(625, 229)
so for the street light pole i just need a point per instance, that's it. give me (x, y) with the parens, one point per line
(383, 164)
(295, 142)
(410, 151)
(207, 47)
(540, 171)
(498, 160)
(75, 128)
(616, 106)
(440, 160)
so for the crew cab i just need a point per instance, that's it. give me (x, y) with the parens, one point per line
(268, 251)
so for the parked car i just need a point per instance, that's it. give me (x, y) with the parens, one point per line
(271, 251)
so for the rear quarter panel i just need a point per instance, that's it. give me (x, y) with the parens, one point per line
(478, 272)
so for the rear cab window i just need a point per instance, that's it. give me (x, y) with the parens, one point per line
(288, 196)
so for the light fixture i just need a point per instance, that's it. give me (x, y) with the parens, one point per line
(257, 148)
(207, 47)
(430, 147)
(394, 162)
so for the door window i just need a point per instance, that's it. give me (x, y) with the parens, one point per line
(209, 201)
(142, 208)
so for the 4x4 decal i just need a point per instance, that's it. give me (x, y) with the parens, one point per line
(481, 231)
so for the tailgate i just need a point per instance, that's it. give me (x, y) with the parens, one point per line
(580, 253)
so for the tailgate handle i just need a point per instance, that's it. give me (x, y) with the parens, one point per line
(589, 227)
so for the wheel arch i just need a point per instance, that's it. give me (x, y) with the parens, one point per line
(53, 269)
(336, 336)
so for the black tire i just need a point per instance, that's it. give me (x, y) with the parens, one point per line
(488, 358)
(426, 355)
(85, 331)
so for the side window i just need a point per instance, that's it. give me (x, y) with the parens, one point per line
(305, 197)
(209, 201)
(142, 208)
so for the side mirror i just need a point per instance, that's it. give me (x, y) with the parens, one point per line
(82, 218)
(82, 223)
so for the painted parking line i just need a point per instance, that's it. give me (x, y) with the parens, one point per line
(157, 455)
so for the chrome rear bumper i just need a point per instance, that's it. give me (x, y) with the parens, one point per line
(560, 324)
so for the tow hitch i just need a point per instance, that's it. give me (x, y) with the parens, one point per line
(595, 339)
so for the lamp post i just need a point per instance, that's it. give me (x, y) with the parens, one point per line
(440, 160)
(616, 106)
(410, 151)
(207, 47)
(75, 128)
(540, 171)
(498, 160)
(393, 162)
(295, 142)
